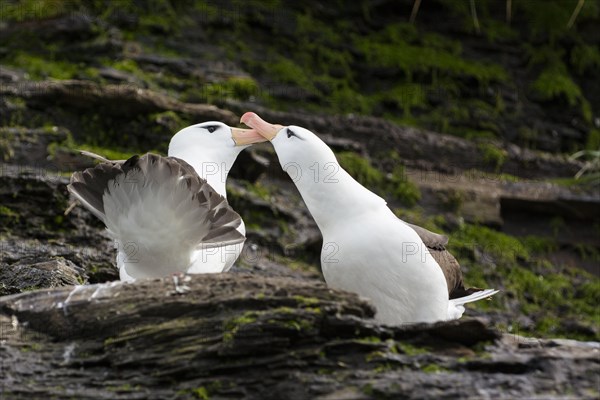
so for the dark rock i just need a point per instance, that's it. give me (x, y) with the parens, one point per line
(116, 100)
(8, 75)
(114, 75)
(263, 338)
(30, 147)
(74, 24)
(419, 148)
(23, 275)
(33, 226)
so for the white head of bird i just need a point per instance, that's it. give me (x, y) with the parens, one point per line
(211, 148)
(313, 167)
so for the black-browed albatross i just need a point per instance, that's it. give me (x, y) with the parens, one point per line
(366, 248)
(170, 214)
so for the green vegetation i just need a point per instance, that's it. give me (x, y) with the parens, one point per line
(518, 267)
(593, 140)
(410, 350)
(239, 88)
(40, 68)
(394, 184)
(493, 155)
(232, 326)
(408, 73)
(591, 166)
(201, 393)
(8, 213)
(300, 318)
(555, 83)
(433, 369)
(428, 53)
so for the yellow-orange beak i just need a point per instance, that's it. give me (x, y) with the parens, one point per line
(244, 137)
(267, 130)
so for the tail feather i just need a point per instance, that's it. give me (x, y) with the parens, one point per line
(474, 297)
(456, 307)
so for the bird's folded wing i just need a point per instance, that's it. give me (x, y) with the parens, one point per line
(431, 239)
(436, 244)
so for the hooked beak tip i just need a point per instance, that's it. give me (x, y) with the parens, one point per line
(247, 117)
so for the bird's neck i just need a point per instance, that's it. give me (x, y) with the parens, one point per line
(212, 167)
(333, 196)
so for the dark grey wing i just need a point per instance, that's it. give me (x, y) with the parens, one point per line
(436, 244)
(431, 239)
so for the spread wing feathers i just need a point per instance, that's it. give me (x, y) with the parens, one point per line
(436, 244)
(156, 201)
(88, 186)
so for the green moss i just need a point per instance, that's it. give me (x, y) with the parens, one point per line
(585, 58)
(409, 349)
(43, 67)
(26, 10)
(123, 388)
(493, 155)
(395, 184)
(555, 83)
(261, 190)
(452, 200)
(402, 189)
(361, 169)
(242, 88)
(239, 88)
(6, 146)
(126, 65)
(289, 318)
(500, 247)
(370, 340)
(593, 140)
(498, 31)
(392, 48)
(368, 389)
(231, 326)
(528, 136)
(540, 245)
(433, 369)
(201, 393)
(9, 213)
(307, 301)
(546, 291)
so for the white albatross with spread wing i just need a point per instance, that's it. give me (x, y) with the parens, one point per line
(170, 214)
(366, 248)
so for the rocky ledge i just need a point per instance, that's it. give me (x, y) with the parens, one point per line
(245, 336)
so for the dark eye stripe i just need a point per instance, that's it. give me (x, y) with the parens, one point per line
(291, 133)
(212, 128)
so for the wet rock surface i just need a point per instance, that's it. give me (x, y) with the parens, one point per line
(232, 336)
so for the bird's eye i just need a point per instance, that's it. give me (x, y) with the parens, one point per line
(290, 133)
(212, 128)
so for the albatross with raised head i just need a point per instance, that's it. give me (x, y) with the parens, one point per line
(366, 248)
(170, 214)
